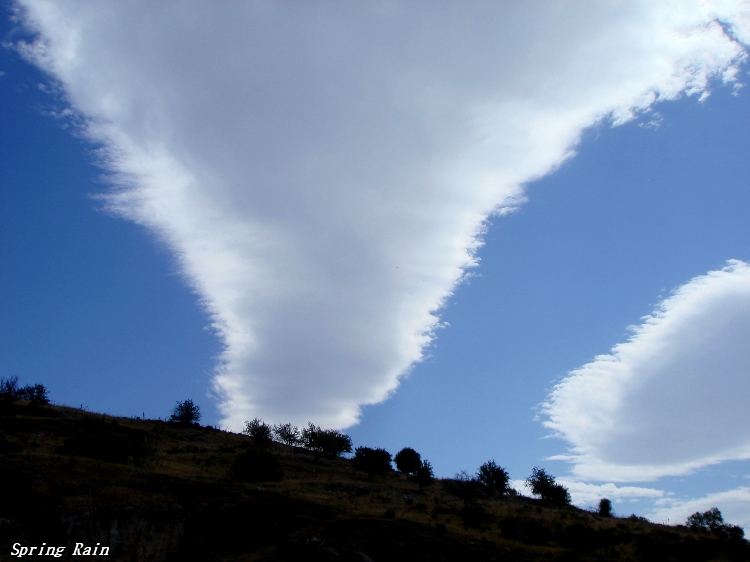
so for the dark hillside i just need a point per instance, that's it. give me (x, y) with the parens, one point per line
(152, 490)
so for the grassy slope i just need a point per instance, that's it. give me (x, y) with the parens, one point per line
(181, 504)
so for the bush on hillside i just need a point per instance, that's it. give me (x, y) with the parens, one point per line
(257, 465)
(710, 520)
(424, 475)
(544, 486)
(186, 412)
(605, 507)
(408, 461)
(36, 394)
(259, 431)
(713, 522)
(10, 391)
(287, 434)
(494, 479)
(326, 442)
(375, 462)
(557, 495)
(464, 486)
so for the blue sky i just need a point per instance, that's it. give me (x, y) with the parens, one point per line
(92, 306)
(233, 265)
(635, 214)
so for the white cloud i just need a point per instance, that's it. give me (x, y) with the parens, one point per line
(322, 171)
(585, 494)
(671, 399)
(664, 507)
(733, 504)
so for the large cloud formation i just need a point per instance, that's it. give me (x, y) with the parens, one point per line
(671, 399)
(322, 171)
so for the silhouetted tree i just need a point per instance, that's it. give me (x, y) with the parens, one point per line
(186, 413)
(710, 520)
(713, 522)
(326, 442)
(36, 394)
(287, 434)
(558, 495)
(259, 431)
(493, 478)
(424, 475)
(605, 507)
(375, 462)
(544, 486)
(408, 461)
(10, 392)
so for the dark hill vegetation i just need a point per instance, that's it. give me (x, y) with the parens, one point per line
(155, 490)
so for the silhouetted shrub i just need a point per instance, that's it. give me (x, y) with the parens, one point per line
(734, 532)
(424, 475)
(558, 495)
(713, 522)
(287, 434)
(464, 486)
(259, 431)
(544, 486)
(493, 478)
(408, 461)
(10, 392)
(710, 520)
(186, 413)
(375, 462)
(326, 442)
(605, 507)
(257, 465)
(36, 394)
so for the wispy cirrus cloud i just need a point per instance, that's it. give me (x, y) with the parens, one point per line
(672, 398)
(322, 171)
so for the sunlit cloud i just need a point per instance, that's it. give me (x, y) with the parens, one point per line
(734, 506)
(322, 172)
(587, 495)
(671, 399)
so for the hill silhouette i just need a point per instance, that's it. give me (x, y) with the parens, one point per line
(157, 491)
